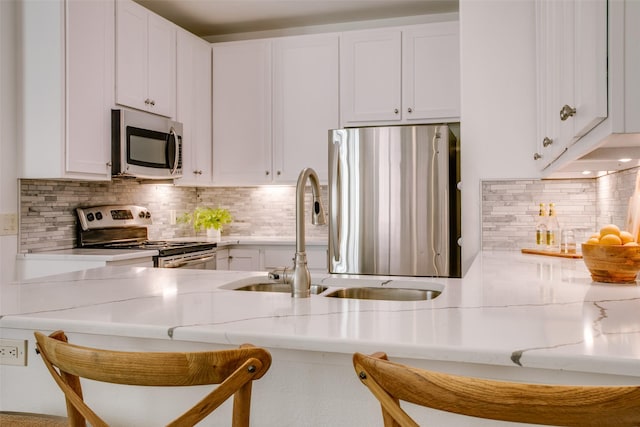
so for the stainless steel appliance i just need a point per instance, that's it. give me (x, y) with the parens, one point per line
(125, 227)
(144, 145)
(394, 207)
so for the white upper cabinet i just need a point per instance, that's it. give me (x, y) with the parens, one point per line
(305, 104)
(371, 74)
(266, 133)
(68, 63)
(397, 76)
(572, 72)
(431, 72)
(242, 113)
(194, 108)
(145, 60)
(588, 93)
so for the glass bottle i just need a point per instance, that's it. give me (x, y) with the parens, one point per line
(541, 227)
(553, 228)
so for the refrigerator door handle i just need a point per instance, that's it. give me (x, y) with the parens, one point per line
(336, 196)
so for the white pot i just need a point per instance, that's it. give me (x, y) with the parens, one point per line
(213, 234)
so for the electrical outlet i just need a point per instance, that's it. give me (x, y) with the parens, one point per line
(13, 352)
(8, 224)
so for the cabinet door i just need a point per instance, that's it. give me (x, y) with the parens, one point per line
(431, 72)
(590, 67)
(244, 259)
(549, 16)
(161, 67)
(194, 107)
(131, 55)
(242, 113)
(89, 83)
(370, 76)
(305, 102)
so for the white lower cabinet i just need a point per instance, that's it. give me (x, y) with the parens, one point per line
(269, 257)
(67, 84)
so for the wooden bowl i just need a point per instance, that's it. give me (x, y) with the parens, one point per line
(612, 264)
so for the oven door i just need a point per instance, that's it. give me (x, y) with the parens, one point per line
(202, 260)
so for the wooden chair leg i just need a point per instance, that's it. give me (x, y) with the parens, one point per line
(242, 406)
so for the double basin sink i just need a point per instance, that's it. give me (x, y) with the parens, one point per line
(350, 288)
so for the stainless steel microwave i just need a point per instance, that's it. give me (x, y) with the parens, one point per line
(144, 145)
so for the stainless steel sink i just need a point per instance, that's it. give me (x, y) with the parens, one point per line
(277, 287)
(385, 294)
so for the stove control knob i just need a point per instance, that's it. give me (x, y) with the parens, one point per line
(147, 215)
(98, 216)
(141, 214)
(90, 217)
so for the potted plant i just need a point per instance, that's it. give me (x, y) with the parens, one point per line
(209, 219)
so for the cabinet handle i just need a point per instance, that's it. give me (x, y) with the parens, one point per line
(147, 101)
(396, 111)
(152, 102)
(109, 164)
(547, 141)
(567, 112)
(266, 173)
(279, 173)
(409, 110)
(537, 156)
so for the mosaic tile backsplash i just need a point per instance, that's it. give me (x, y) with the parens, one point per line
(509, 208)
(48, 219)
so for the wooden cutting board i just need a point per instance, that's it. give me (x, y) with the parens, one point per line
(551, 253)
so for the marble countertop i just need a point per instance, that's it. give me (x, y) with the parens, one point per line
(89, 254)
(510, 309)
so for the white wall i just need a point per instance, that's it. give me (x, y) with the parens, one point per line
(8, 137)
(497, 48)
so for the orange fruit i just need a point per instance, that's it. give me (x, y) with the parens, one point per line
(593, 241)
(610, 229)
(610, 240)
(626, 237)
(631, 244)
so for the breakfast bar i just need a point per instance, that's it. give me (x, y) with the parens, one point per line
(513, 316)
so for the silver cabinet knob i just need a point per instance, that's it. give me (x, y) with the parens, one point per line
(537, 156)
(567, 112)
(547, 141)
(396, 111)
(409, 110)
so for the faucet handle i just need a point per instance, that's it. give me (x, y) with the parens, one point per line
(279, 273)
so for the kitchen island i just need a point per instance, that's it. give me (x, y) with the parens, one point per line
(512, 316)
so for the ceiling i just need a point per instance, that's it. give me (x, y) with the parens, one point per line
(223, 17)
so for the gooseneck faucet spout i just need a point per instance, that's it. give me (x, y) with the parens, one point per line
(301, 280)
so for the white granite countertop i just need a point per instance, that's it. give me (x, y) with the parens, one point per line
(509, 310)
(89, 254)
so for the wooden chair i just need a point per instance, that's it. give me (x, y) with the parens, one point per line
(560, 405)
(234, 370)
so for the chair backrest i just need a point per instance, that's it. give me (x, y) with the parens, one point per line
(560, 405)
(234, 370)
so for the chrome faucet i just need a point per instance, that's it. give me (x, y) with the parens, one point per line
(300, 280)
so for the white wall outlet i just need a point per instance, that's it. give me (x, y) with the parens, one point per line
(13, 352)
(8, 224)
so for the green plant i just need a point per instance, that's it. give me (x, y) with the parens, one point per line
(205, 218)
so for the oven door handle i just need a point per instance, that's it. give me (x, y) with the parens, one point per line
(178, 264)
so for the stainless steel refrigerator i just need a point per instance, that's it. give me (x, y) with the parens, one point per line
(394, 203)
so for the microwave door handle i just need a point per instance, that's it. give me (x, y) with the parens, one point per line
(177, 150)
